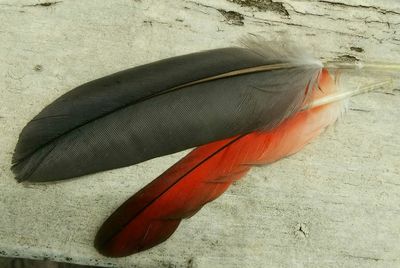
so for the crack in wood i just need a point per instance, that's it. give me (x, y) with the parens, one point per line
(347, 58)
(359, 110)
(302, 230)
(378, 9)
(275, 22)
(357, 49)
(232, 17)
(362, 257)
(44, 4)
(270, 22)
(263, 5)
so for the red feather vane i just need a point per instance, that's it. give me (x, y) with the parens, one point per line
(153, 214)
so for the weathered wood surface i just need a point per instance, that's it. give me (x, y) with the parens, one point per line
(335, 204)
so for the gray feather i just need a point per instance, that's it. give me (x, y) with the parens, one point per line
(150, 111)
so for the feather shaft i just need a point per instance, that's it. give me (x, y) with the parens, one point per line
(383, 66)
(339, 96)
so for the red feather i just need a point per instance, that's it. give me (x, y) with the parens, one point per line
(153, 214)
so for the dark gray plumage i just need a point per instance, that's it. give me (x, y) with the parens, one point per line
(145, 112)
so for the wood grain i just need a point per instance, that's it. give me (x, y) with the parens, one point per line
(335, 204)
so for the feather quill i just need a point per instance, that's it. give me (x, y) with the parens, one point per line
(161, 108)
(153, 214)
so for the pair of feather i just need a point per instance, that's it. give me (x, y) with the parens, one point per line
(241, 106)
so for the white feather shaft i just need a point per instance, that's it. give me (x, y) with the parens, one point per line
(363, 65)
(346, 94)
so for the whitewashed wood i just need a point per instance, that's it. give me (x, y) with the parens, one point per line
(335, 204)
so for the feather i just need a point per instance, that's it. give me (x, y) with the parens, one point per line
(162, 108)
(150, 216)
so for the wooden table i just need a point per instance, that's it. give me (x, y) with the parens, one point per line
(334, 204)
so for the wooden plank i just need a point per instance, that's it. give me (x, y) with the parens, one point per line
(334, 204)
